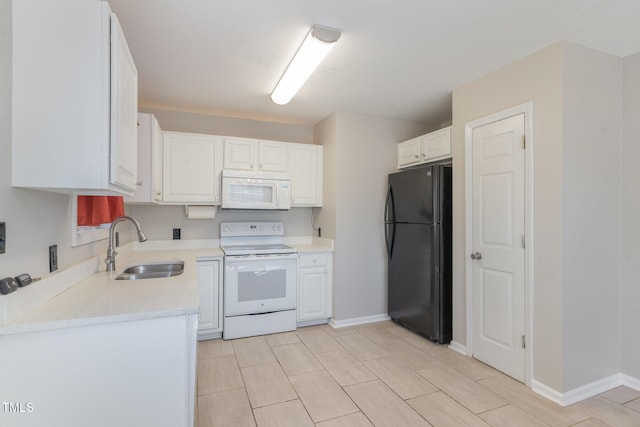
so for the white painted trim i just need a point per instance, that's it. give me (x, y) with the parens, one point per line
(586, 391)
(456, 346)
(312, 322)
(631, 382)
(358, 320)
(527, 110)
(547, 392)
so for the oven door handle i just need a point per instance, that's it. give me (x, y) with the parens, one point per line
(268, 257)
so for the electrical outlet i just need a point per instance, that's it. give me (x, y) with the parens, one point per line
(53, 258)
(176, 234)
(3, 237)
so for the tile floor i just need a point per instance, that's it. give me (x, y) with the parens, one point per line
(377, 374)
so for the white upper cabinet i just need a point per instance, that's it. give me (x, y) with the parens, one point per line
(74, 100)
(124, 111)
(306, 174)
(191, 166)
(255, 155)
(409, 152)
(436, 145)
(149, 185)
(426, 148)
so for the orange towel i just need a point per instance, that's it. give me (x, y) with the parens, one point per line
(96, 210)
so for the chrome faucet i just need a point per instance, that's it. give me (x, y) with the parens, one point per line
(110, 260)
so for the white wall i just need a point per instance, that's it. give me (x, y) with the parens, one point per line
(362, 150)
(592, 136)
(158, 221)
(536, 78)
(630, 224)
(199, 123)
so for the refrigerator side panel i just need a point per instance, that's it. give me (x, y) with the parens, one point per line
(413, 195)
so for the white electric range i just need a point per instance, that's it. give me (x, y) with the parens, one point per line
(260, 279)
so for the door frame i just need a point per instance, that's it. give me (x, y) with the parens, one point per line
(527, 110)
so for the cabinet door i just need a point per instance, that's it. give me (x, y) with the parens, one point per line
(189, 174)
(306, 174)
(240, 153)
(436, 145)
(409, 152)
(313, 294)
(210, 317)
(61, 99)
(124, 111)
(142, 194)
(156, 160)
(273, 156)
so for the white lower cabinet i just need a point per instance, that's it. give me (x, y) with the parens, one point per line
(314, 288)
(210, 288)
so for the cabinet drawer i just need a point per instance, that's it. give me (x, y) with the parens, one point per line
(313, 260)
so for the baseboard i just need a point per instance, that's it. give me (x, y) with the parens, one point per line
(358, 320)
(456, 346)
(312, 322)
(547, 392)
(631, 382)
(586, 391)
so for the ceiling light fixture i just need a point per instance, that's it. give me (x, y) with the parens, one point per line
(315, 47)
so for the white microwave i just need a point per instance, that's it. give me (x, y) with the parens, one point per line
(256, 190)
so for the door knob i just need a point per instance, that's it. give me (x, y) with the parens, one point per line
(476, 255)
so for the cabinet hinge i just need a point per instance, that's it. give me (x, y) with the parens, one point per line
(524, 142)
(524, 242)
(524, 343)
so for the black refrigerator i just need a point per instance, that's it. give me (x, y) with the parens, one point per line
(418, 239)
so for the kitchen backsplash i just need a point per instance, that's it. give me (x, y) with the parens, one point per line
(159, 221)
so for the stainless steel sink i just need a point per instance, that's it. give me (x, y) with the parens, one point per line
(152, 270)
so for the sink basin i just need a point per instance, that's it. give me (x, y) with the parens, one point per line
(152, 270)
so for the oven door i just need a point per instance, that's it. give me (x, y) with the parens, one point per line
(259, 284)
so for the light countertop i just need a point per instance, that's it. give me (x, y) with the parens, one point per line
(98, 298)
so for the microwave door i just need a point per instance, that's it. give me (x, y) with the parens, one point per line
(243, 194)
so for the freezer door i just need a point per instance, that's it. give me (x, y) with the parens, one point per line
(413, 195)
(415, 294)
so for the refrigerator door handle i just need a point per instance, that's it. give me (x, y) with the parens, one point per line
(389, 223)
(390, 239)
(389, 208)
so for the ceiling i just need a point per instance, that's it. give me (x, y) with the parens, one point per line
(396, 58)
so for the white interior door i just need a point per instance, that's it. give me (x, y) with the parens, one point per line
(498, 254)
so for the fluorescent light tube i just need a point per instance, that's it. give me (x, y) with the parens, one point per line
(315, 47)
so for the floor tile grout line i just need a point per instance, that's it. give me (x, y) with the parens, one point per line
(424, 348)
